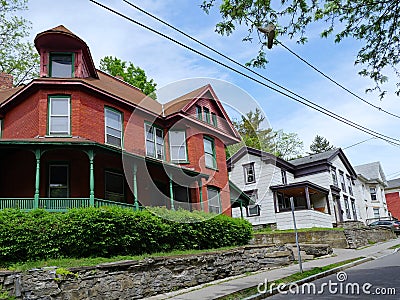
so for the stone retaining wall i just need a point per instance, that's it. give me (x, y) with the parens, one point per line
(348, 238)
(144, 278)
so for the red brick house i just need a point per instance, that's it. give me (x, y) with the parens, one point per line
(77, 136)
(392, 194)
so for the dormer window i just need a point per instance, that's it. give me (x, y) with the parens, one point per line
(61, 65)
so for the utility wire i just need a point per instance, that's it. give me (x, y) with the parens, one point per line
(337, 83)
(304, 101)
(358, 143)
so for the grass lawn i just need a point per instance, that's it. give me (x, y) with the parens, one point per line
(395, 246)
(270, 231)
(80, 262)
(292, 278)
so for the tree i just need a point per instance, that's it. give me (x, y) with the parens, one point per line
(288, 145)
(17, 57)
(319, 145)
(279, 143)
(375, 23)
(129, 73)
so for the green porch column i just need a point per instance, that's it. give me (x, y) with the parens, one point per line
(171, 192)
(135, 193)
(38, 154)
(201, 196)
(91, 177)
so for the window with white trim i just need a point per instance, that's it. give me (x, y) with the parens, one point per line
(177, 144)
(334, 177)
(249, 173)
(342, 182)
(154, 141)
(113, 127)
(376, 213)
(349, 185)
(214, 200)
(59, 115)
(253, 210)
(372, 191)
(347, 206)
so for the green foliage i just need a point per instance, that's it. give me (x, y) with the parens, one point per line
(17, 57)
(279, 143)
(374, 23)
(129, 73)
(320, 144)
(112, 231)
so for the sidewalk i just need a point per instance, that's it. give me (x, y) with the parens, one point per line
(230, 285)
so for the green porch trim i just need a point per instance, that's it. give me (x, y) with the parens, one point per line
(171, 192)
(135, 192)
(91, 155)
(201, 196)
(38, 154)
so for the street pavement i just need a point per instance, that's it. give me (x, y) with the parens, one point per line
(377, 279)
(213, 290)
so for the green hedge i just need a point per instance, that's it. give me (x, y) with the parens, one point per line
(112, 231)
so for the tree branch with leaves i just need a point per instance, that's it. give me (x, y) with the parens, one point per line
(373, 22)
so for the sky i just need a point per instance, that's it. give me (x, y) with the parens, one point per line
(176, 70)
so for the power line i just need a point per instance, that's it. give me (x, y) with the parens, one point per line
(337, 83)
(303, 100)
(358, 143)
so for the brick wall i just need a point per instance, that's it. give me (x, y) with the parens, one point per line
(393, 203)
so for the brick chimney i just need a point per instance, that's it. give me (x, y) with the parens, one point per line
(6, 81)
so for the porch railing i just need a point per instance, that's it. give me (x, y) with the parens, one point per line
(59, 204)
(20, 203)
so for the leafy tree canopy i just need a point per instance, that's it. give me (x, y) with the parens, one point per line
(129, 73)
(319, 145)
(374, 22)
(17, 57)
(279, 143)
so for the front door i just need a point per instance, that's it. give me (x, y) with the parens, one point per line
(58, 181)
(338, 210)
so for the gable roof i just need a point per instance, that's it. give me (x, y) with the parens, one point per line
(394, 183)
(327, 155)
(320, 159)
(265, 156)
(177, 104)
(371, 172)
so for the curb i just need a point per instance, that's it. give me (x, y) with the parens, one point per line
(308, 279)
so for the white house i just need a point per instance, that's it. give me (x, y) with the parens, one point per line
(322, 187)
(371, 189)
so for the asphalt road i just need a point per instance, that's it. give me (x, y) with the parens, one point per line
(378, 279)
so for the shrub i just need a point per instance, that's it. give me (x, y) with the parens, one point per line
(113, 231)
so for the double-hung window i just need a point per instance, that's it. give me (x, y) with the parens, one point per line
(199, 112)
(372, 191)
(61, 65)
(154, 141)
(350, 185)
(177, 143)
(214, 200)
(342, 182)
(113, 127)
(347, 206)
(249, 173)
(214, 119)
(209, 153)
(207, 115)
(284, 177)
(59, 115)
(334, 177)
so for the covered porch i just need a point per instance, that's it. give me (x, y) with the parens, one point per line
(310, 203)
(60, 174)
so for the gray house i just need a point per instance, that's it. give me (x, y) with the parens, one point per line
(321, 185)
